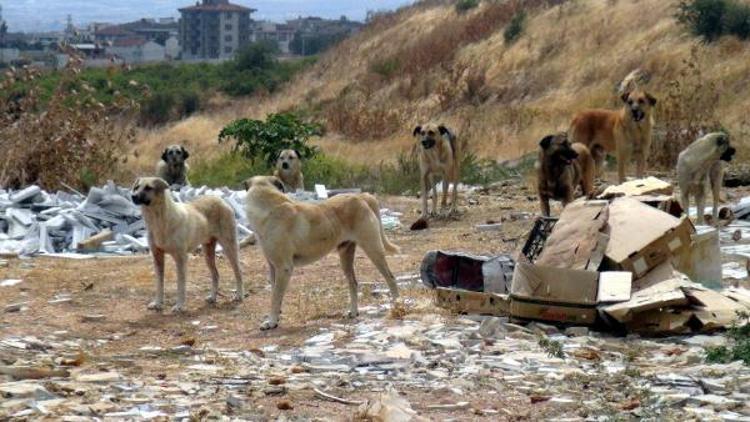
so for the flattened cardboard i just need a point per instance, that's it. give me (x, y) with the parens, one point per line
(554, 285)
(673, 321)
(739, 295)
(642, 237)
(715, 310)
(571, 314)
(639, 187)
(579, 238)
(615, 286)
(464, 301)
(663, 294)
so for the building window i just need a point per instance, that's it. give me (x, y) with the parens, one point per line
(228, 27)
(228, 38)
(228, 15)
(228, 50)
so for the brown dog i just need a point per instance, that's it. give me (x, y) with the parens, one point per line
(626, 132)
(561, 168)
(439, 158)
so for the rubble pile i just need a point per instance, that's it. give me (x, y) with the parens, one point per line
(466, 366)
(104, 222)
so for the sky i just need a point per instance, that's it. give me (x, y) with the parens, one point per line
(42, 15)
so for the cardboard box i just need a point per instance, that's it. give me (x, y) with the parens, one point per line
(642, 237)
(639, 187)
(464, 301)
(702, 260)
(571, 314)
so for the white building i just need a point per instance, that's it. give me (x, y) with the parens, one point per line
(137, 50)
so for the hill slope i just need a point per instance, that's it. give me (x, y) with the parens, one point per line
(427, 62)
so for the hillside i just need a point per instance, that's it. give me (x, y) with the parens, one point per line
(428, 62)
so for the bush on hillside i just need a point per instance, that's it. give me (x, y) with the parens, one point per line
(515, 28)
(712, 19)
(466, 5)
(264, 140)
(70, 140)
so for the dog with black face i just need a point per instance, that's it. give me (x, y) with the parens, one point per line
(700, 163)
(173, 167)
(289, 170)
(178, 229)
(439, 159)
(561, 168)
(626, 132)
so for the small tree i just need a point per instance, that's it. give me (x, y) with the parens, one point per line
(515, 28)
(256, 139)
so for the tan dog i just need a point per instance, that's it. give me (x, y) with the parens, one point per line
(293, 234)
(701, 163)
(289, 170)
(439, 158)
(178, 229)
(173, 167)
(626, 132)
(561, 168)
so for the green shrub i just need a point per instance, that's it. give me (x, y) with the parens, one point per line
(227, 170)
(515, 27)
(739, 349)
(463, 6)
(711, 19)
(190, 103)
(257, 139)
(157, 109)
(386, 68)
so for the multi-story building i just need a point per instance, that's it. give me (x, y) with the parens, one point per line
(213, 29)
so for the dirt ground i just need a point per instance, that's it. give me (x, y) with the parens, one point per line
(120, 288)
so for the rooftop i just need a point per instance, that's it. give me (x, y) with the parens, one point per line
(216, 6)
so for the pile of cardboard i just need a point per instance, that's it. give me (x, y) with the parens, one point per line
(623, 263)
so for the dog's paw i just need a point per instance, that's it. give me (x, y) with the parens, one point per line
(268, 325)
(238, 297)
(178, 308)
(211, 299)
(155, 306)
(351, 314)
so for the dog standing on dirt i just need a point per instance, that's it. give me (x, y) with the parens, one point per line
(178, 229)
(439, 158)
(561, 168)
(293, 234)
(173, 167)
(626, 132)
(289, 170)
(700, 163)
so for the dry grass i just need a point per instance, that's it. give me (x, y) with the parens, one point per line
(501, 98)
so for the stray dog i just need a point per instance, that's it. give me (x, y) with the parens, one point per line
(439, 157)
(289, 170)
(699, 163)
(293, 234)
(173, 167)
(561, 168)
(626, 132)
(178, 229)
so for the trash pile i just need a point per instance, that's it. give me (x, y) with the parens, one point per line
(624, 263)
(105, 222)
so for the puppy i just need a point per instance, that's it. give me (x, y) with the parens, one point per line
(289, 170)
(293, 234)
(178, 229)
(439, 158)
(173, 166)
(699, 163)
(561, 168)
(626, 132)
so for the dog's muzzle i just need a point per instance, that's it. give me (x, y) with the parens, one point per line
(728, 154)
(637, 114)
(139, 200)
(285, 166)
(428, 143)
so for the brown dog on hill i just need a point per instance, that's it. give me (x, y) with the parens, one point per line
(439, 158)
(626, 132)
(562, 167)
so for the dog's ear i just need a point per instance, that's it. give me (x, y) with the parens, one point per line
(185, 153)
(160, 185)
(651, 99)
(547, 141)
(164, 154)
(246, 184)
(299, 156)
(136, 184)
(625, 96)
(445, 131)
(417, 131)
(280, 186)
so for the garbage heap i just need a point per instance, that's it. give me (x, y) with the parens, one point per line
(622, 263)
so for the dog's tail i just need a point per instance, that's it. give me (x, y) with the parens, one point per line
(390, 248)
